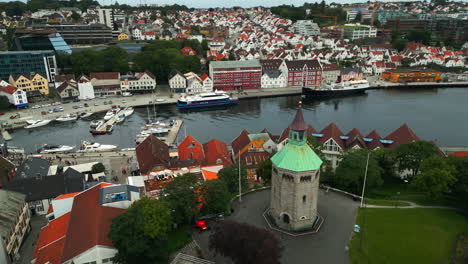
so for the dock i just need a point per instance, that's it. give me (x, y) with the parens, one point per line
(110, 122)
(173, 132)
(6, 136)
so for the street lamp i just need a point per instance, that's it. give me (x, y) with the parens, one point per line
(365, 177)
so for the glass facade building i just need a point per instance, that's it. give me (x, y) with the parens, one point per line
(20, 62)
(40, 40)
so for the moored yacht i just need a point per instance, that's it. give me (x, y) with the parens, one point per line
(337, 89)
(67, 117)
(37, 123)
(55, 149)
(95, 147)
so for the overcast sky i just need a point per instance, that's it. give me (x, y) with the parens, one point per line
(217, 3)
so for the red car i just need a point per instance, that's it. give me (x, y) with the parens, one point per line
(201, 225)
(1, 113)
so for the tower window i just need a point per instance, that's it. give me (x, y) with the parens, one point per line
(304, 199)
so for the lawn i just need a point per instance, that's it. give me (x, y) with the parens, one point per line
(386, 202)
(406, 236)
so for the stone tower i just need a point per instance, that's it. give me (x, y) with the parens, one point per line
(295, 180)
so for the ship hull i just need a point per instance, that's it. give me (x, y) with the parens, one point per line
(331, 93)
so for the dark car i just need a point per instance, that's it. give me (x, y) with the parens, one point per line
(86, 105)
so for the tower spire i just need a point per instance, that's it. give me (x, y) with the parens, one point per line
(298, 123)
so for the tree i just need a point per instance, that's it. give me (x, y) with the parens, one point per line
(98, 168)
(232, 56)
(421, 36)
(75, 16)
(180, 193)
(140, 233)
(405, 62)
(245, 244)
(358, 17)
(52, 93)
(111, 59)
(460, 187)
(410, 156)
(350, 172)
(63, 60)
(4, 103)
(322, 6)
(386, 160)
(264, 171)
(204, 45)
(399, 44)
(436, 176)
(230, 176)
(215, 197)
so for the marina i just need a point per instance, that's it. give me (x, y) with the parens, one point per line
(376, 109)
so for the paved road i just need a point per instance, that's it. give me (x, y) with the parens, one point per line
(27, 249)
(326, 247)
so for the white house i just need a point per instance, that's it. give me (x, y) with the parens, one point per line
(194, 83)
(217, 44)
(273, 79)
(140, 82)
(136, 34)
(68, 90)
(85, 88)
(16, 97)
(207, 83)
(177, 82)
(149, 35)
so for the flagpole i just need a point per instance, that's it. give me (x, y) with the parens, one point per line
(240, 192)
(365, 177)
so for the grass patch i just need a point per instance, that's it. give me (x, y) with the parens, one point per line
(403, 236)
(386, 202)
(461, 249)
(179, 238)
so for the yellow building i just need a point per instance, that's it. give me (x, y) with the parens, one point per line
(122, 36)
(30, 82)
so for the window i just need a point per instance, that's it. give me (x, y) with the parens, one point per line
(304, 199)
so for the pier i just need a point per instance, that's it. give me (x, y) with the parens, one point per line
(6, 136)
(173, 132)
(110, 122)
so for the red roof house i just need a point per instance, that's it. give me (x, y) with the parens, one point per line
(332, 132)
(216, 153)
(402, 135)
(191, 149)
(187, 51)
(150, 153)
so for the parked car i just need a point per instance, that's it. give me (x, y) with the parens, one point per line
(105, 102)
(75, 107)
(110, 102)
(36, 107)
(86, 105)
(96, 104)
(1, 113)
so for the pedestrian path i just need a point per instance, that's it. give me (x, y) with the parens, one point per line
(411, 205)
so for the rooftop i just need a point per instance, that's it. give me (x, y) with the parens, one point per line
(234, 64)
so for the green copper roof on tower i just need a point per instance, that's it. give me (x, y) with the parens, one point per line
(297, 155)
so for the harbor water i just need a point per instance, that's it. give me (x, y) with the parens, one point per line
(440, 115)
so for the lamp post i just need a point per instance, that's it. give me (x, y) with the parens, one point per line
(240, 186)
(365, 178)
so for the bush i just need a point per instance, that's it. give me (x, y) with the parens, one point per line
(98, 168)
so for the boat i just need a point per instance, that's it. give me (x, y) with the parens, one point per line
(109, 128)
(86, 114)
(129, 111)
(95, 147)
(337, 89)
(55, 149)
(10, 150)
(120, 119)
(98, 132)
(38, 123)
(216, 98)
(96, 123)
(111, 113)
(67, 117)
(160, 100)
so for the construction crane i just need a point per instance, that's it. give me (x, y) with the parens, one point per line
(319, 15)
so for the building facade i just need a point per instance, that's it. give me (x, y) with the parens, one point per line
(105, 83)
(357, 31)
(139, 82)
(29, 39)
(302, 73)
(177, 82)
(273, 79)
(14, 222)
(16, 97)
(30, 82)
(106, 16)
(82, 34)
(330, 72)
(68, 90)
(295, 180)
(403, 76)
(40, 62)
(85, 88)
(306, 28)
(236, 75)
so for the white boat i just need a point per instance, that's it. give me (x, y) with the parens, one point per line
(67, 117)
(95, 147)
(120, 119)
(111, 113)
(30, 122)
(95, 124)
(216, 98)
(55, 149)
(11, 149)
(86, 114)
(38, 123)
(126, 94)
(160, 100)
(338, 89)
(129, 111)
(128, 149)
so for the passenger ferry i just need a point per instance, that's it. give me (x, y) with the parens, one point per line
(216, 98)
(338, 89)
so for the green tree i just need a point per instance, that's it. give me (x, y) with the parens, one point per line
(52, 93)
(264, 171)
(204, 44)
(460, 187)
(180, 193)
(420, 36)
(405, 62)
(98, 168)
(410, 156)
(4, 103)
(75, 16)
(140, 233)
(230, 176)
(399, 44)
(350, 172)
(215, 197)
(232, 56)
(436, 176)
(63, 60)
(387, 161)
